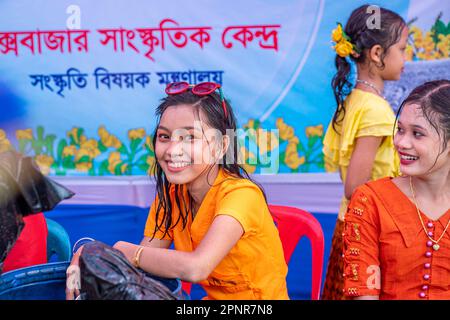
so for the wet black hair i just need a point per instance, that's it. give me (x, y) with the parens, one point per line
(433, 98)
(364, 38)
(211, 107)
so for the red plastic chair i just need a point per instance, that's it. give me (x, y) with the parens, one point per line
(293, 224)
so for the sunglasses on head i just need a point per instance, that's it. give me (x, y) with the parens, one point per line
(201, 89)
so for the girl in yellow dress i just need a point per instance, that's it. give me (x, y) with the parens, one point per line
(359, 140)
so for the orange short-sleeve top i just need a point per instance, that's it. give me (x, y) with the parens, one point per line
(255, 267)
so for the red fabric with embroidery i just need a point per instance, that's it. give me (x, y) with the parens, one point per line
(31, 246)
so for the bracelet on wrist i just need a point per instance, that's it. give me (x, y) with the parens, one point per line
(137, 256)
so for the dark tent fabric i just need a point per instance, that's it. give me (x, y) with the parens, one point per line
(24, 190)
(106, 274)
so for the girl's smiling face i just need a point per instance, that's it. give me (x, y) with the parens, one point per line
(185, 145)
(419, 146)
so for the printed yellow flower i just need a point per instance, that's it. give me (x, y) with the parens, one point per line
(80, 153)
(314, 131)
(69, 151)
(286, 132)
(266, 141)
(134, 134)
(248, 160)
(428, 44)
(90, 144)
(428, 55)
(337, 34)
(151, 162)
(409, 52)
(343, 48)
(419, 43)
(416, 32)
(102, 132)
(84, 166)
(26, 134)
(74, 134)
(108, 139)
(113, 161)
(83, 139)
(5, 144)
(292, 160)
(422, 56)
(444, 45)
(249, 168)
(44, 162)
(114, 157)
(426, 48)
(250, 124)
(88, 148)
(294, 140)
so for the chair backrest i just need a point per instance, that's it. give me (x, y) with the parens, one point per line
(58, 241)
(293, 224)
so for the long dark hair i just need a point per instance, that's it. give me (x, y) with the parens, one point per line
(211, 107)
(364, 38)
(433, 98)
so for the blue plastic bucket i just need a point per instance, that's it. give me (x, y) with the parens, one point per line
(40, 282)
(48, 282)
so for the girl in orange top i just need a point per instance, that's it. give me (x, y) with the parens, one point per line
(397, 230)
(206, 204)
(358, 141)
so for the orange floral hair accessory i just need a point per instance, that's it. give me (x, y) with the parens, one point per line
(343, 45)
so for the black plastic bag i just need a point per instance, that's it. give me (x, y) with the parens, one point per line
(24, 190)
(106, 274)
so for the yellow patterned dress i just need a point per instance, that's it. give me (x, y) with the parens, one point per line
(367, 114)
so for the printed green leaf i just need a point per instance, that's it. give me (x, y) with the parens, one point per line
(40, 133)
(61, 145)
(84, 159)
(123, 150)
(143, 166)
(135, 144)
(117, 170)
(103, 169)
(101, 147)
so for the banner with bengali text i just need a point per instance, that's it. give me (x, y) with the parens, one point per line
(80, 81)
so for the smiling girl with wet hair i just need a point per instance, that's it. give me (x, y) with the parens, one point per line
(397, 230)
(206, 204)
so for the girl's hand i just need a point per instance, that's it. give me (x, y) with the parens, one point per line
(128, 249)
(73, 283)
